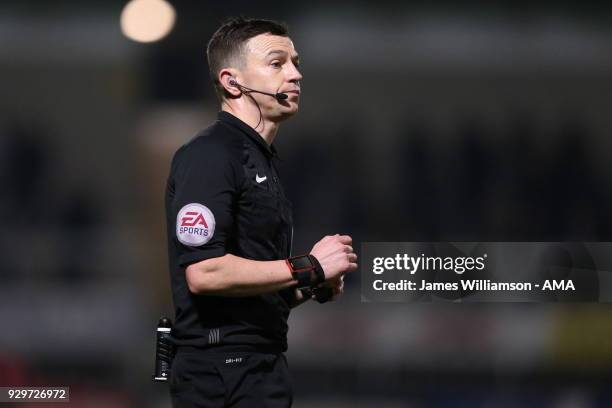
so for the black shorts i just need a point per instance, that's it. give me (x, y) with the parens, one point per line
(202, 378)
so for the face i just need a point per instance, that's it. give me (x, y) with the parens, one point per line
(271, 65)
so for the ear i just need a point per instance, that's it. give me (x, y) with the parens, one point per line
(224, 78)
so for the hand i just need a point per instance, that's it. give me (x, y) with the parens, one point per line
(337, 286)
(329, 291)
(336, 255)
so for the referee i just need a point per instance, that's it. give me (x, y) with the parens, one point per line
(230, 231)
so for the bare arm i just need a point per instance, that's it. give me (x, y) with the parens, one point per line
(230, 275)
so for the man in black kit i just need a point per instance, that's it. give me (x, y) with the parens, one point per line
(230, 230)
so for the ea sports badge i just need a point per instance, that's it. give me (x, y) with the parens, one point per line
(195, 225)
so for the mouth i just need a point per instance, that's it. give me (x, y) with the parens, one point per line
(293, 91)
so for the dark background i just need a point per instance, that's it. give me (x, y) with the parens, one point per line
(485, 121)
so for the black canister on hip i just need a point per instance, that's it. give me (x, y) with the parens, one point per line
(164, 351)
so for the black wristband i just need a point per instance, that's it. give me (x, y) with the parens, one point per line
(306, 270)
(323, 294)
(303, 278)
(306, 293)
(318, 269)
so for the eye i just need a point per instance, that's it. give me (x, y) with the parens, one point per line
(275, 64)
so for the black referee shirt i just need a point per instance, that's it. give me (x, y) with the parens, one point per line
(223, 196)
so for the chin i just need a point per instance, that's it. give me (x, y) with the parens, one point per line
(288, 112)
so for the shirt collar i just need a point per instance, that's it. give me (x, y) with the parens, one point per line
(237, 123)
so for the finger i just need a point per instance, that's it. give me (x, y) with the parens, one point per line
(352, 257)
(337, 293)
(336, 281)
(345, 239)
(332, 282)
(352, 267)
(348, 249)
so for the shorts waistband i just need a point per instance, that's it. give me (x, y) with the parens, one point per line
(225, 349)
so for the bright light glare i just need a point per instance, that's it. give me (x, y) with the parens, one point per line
(147, 20)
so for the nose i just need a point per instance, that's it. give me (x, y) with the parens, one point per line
(294, 75)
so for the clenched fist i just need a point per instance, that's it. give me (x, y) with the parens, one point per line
(336, 255)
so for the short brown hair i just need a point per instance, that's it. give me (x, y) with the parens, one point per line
(226, 47)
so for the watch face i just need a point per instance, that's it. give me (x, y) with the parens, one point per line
(301, 262)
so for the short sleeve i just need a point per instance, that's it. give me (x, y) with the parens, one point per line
(205, 187)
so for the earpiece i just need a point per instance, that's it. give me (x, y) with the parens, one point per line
(279, 96)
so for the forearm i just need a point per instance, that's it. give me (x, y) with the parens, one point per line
(233, 276)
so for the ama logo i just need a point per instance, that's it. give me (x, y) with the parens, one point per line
(195, 225)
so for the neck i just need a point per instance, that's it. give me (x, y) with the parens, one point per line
(250, 115)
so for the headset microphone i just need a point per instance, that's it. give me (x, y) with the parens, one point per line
(279, 95)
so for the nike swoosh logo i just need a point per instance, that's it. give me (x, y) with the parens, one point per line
(260, 179)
